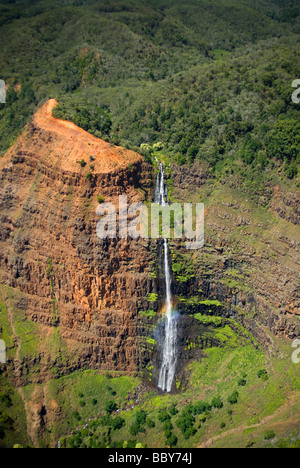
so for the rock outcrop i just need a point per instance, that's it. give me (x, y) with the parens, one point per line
(77, 291)
(250, 262)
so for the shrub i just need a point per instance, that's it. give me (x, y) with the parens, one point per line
(100, 199)
(140, 421)
(150, 423)
(283, 141)
(263, 375)
(135, 428)
(76, 416)
(82, 163)
(141, 417)
(217, 403)
(171, 441)
(269, 435)
(242, 382)
(92, 118)
(173, 410)
(202, 407)
(164, 416)
(186, 424)
(168, 426)
(189, 432)
(6, 400)
(291, 170)
(117, 423)
(233, 398)
(110, 407)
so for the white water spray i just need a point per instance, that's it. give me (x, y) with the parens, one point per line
(167, 371)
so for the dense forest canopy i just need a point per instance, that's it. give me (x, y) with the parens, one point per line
(209, 80)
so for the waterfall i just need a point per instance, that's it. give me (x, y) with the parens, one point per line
(167, 371)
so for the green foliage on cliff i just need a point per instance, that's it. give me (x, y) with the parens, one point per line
(87, 115)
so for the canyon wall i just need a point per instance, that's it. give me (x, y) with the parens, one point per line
(79, 293)
(250, 262)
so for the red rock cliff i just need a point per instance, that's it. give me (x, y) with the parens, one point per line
(65, 279)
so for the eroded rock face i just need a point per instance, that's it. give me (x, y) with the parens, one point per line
(84, 288)
(250, 262)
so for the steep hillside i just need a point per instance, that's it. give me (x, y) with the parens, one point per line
(71, 298)
(97, 93)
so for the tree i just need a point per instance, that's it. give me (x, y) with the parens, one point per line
(269, 435)
(163, 416)
(233, 398)
(150, 423)
(284, 141)
(6, 400)
(186, 423)
(168, 426)
(141, 417)
(135, 428)
(291, 170)
(110, 407)
(189, 432)
(217, 403)
(263, 374)
(242, 382)
(171, 441)
(173, 410)
(117, 423)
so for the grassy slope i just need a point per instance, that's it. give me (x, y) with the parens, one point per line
(262, 406)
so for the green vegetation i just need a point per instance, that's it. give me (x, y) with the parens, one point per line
(100, 199)
(263, 375)
(110, 407)
(269, 435)
(233, 398)
(177, 81)
(210, 403)
(211, 303)
(82, 163)
(151, 341)
(153, 297)
(95, 120)
(148, 313)
(162, 80)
